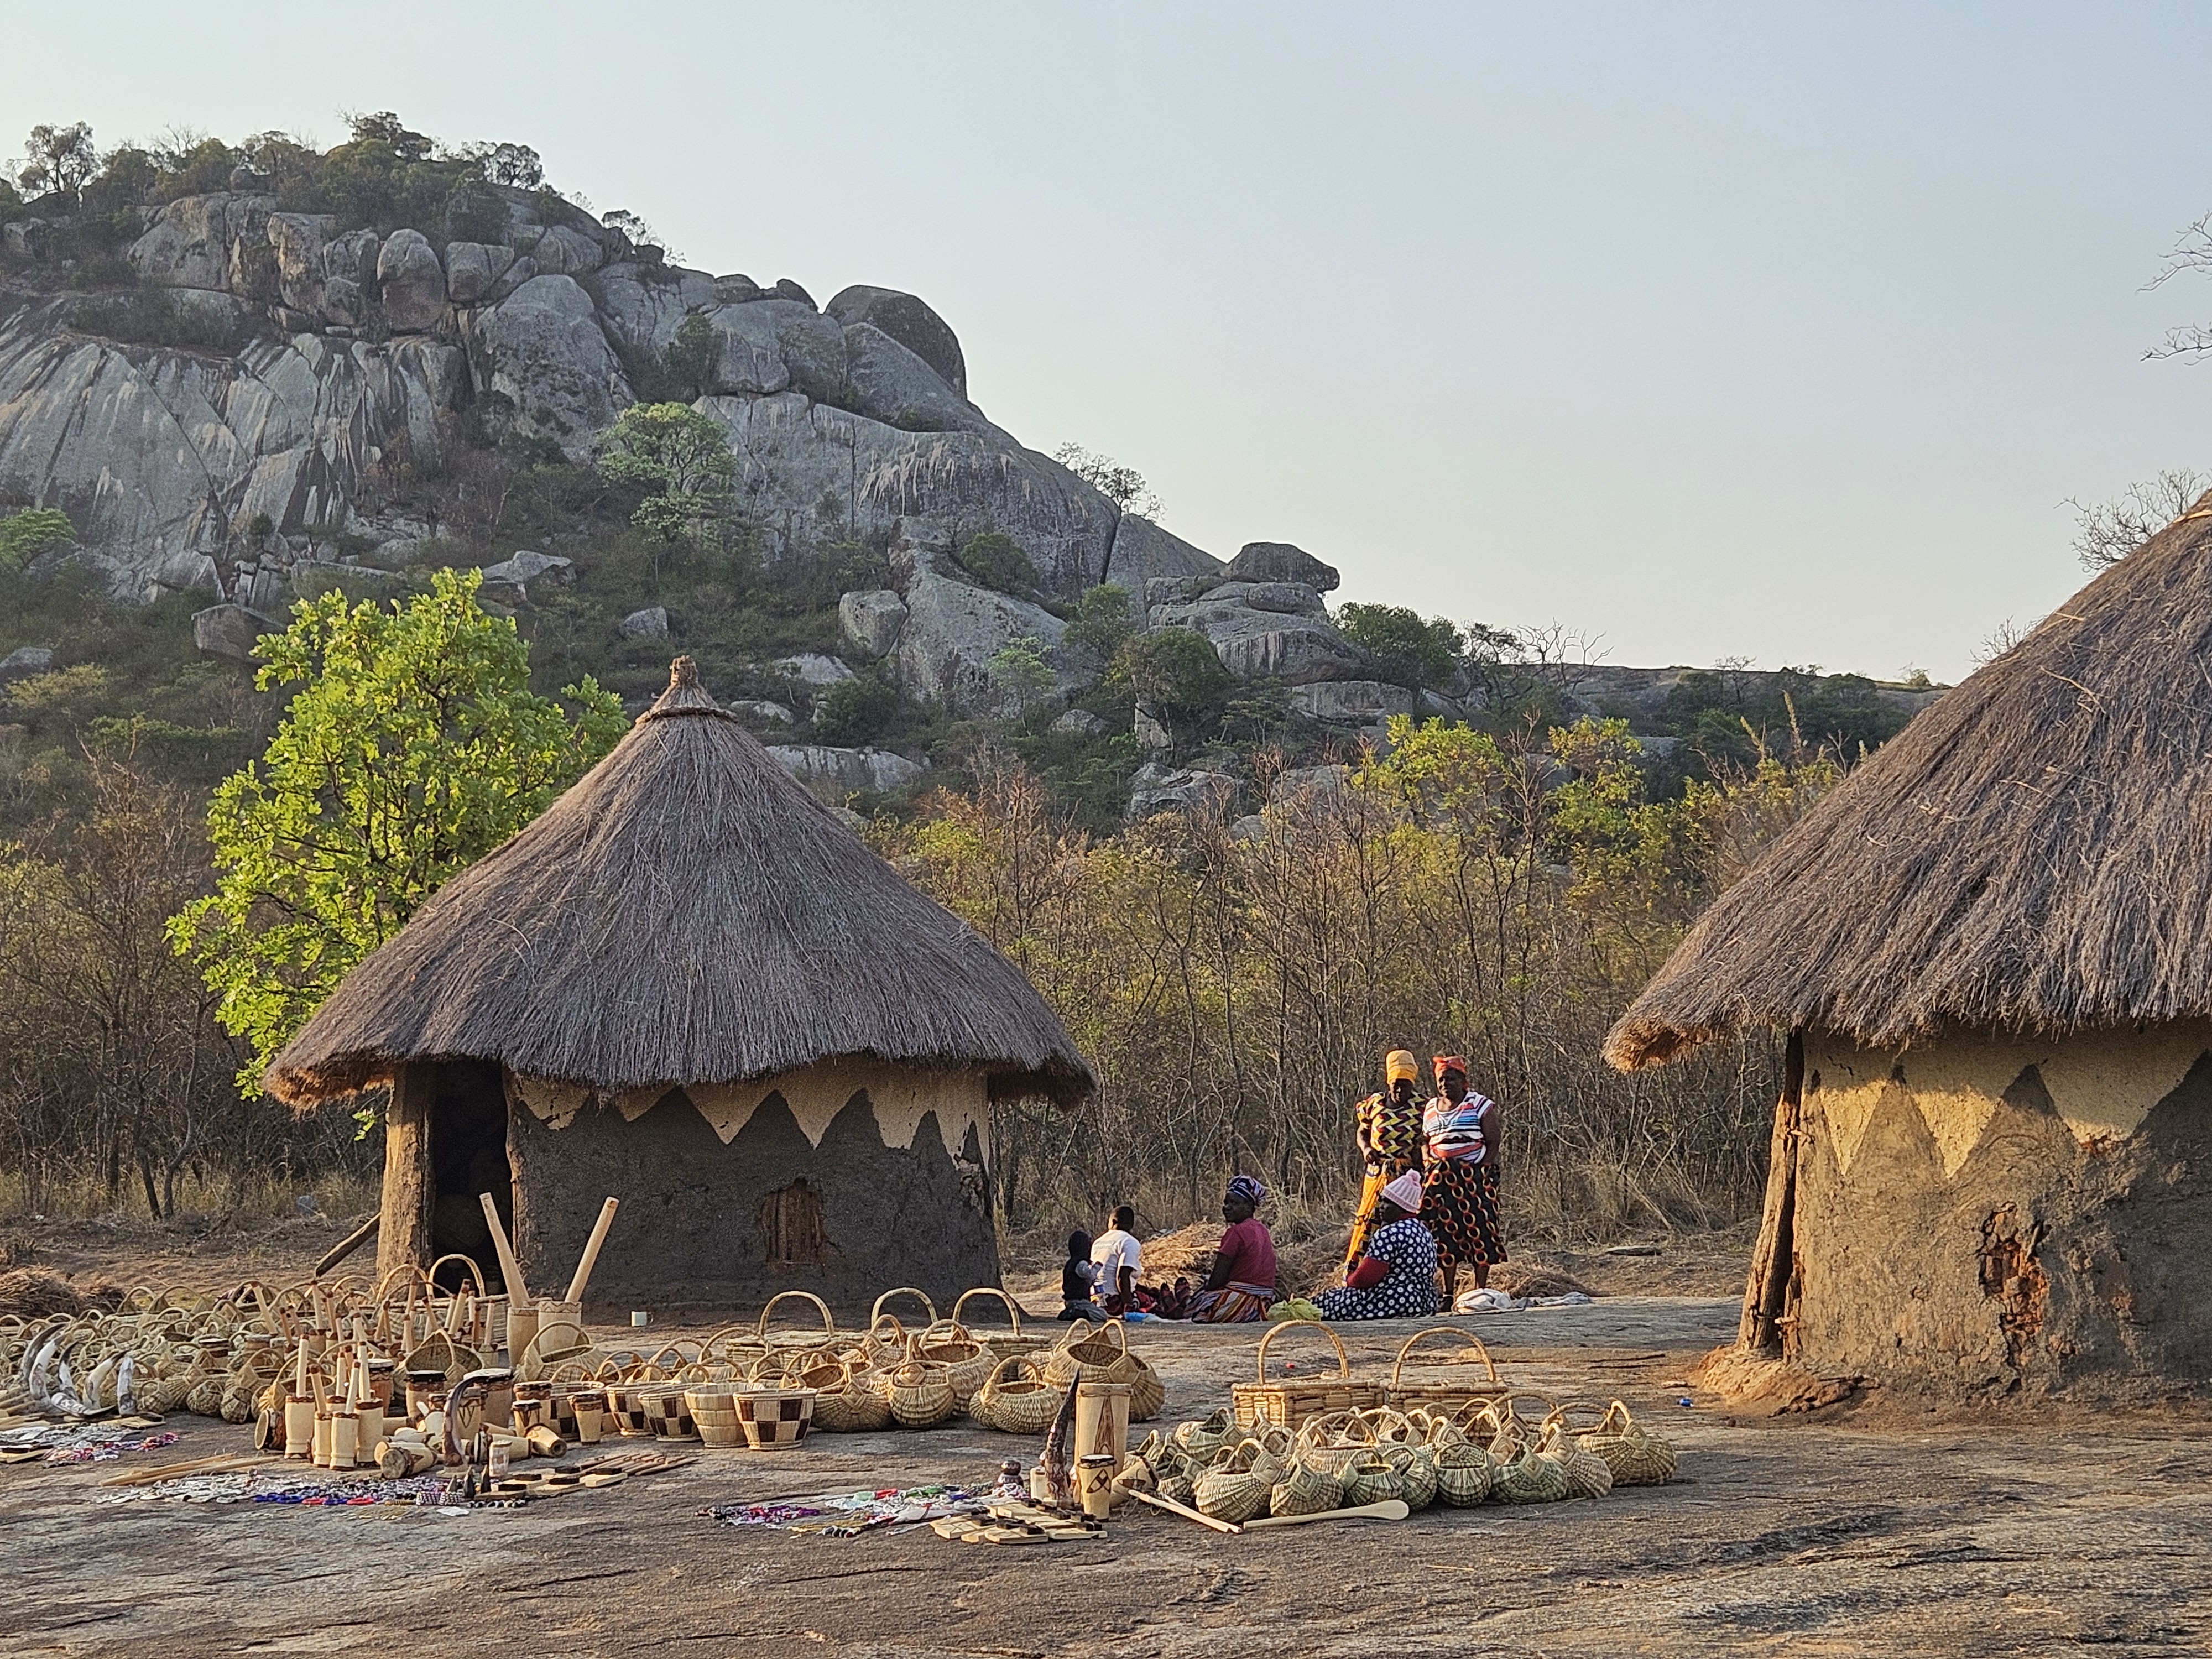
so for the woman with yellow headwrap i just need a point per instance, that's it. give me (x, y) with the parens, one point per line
(1389, 1126)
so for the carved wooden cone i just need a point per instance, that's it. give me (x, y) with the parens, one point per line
(591, 1256)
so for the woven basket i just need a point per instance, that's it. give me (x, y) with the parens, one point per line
(1270, 1449)
(1289, 1401)
(1331, 1440)
(1232, 1490)
(921, 1394)
(714, 1416)
(1587, 1474)
(1448, 1394)
(1178, 1489)
(967, 1362)
(843, 1404)
(1417, 1471)
(1305, 1489)
(1367, 1478)
(1635, 1457)
(1135, 1475)
(922, 1297)
(1204, 1440)
(1525, 1475)
(775, 1417)
(1016, 1399)
(1464, 1473)
(1007, 1345)
(667, 1414)
(442, 1353)
(775, 1341)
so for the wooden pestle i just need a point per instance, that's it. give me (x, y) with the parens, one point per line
(591, 1255)
(517, 1292)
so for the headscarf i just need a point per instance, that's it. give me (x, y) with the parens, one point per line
(1451, 1063)
(1405, 1192)
(1253, 1192)
(1400, 1063)
(1078, 1246)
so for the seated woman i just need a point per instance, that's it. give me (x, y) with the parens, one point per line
(1078, 1275)
(1242, 1286)
(1396, 1279)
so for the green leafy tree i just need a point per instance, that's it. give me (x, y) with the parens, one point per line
(25, 535)
(414, 747)
(856, 711)
(1408, 651)
(1103, 622)
(996, 560)
(680, 458)
(1177, 674)
(1019, 671)
(687, 366)
(57, 161)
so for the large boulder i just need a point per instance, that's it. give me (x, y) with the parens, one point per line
(650, 623)
(158, 456)
(870, 622)
(229, 630)
(514, 574)
(1298, 655)
(296, 239)
(777, 345)
(642, 307)
(564, 251)
(352, 256)
(954, 628)
(26, 662)
(911, 323)
(1156, 789)
(846, 771)
(193, 241)
(813, 668)
(473, 270)
(1349, 702)
(1279, 562)
(542, 348)
(797, 460)
(412, 281)
(1143, 553)
(888, 383)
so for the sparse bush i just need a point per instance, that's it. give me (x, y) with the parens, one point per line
(856, 711)
(1177, 674)
(1102, 623)
(996, 560)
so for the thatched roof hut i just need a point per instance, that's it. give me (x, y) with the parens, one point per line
(688, 978)
(1990, 945)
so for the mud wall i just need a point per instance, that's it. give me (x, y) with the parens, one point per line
(2000, 1217)
(843, 1180)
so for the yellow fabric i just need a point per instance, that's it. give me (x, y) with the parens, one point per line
(1400, 1063)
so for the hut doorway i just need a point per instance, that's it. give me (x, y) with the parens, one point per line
(468, 1157)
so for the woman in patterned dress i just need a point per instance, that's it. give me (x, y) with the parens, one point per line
(1460, 1128)
(1390, 1134)
(1396, 1279)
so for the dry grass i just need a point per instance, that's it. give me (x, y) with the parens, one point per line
(2027, 855)
(31, 1293)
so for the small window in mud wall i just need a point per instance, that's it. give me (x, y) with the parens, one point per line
(791, 1226)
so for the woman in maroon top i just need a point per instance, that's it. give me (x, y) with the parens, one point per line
(1242, 1286)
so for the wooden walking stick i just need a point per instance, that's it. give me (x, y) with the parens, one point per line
(591, 1255)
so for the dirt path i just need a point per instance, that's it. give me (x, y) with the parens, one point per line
(1788, 1537)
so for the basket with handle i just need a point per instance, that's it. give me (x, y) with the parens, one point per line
(1464, 1472)
(1636, 1457)
(1367, 1478)
(1232, 1490)
(1588, 1475)
(1007, 1345)
(1524, 1474)
(929, 1308)
(1016, 1399)
(1305, 1488)
(1447, 1394)
(967, 1362)
(1101, 1355)
(921, 1394)
(1417, 1471)
(1287, 1401)
(1202, 1439)
(842, 1402)
(780, 1339)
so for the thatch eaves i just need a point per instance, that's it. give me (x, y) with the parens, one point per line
(2033, 855)
(686, 912)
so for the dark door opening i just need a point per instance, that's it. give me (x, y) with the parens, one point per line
(468, 1156)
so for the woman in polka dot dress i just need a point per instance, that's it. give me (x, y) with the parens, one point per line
(1396, 1279)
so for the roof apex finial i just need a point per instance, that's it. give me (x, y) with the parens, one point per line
(683, 672)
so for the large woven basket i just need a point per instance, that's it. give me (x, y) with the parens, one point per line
(843, 1403)
(775, 1417)
(1449, 1394)
(1287, 1402)
(1101, 1355)
(967, 1363)
(1016, 1399)
(1004, 1344)
(921, 1394)
(774, 1341)
(1636, 1457)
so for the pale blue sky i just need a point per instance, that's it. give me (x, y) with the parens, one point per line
(1776, 330)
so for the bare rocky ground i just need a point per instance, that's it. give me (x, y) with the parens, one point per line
(1888, 1532)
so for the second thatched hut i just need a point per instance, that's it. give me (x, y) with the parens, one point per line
(1991, 947)
(688, 985)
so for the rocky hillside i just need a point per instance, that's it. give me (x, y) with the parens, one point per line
(237, 395)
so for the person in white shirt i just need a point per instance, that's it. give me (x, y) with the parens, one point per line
(1122, 1258)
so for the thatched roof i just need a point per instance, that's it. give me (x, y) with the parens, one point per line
(2033, 855)
(687, 912)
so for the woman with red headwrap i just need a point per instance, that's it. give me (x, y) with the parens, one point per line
(1460, 1190)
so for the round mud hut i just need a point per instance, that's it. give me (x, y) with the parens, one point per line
(1991, 947)
(690, 986)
